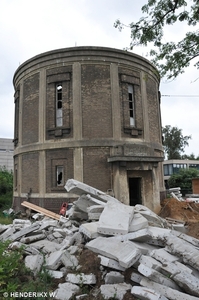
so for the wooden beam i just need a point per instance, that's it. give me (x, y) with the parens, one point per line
(41, 210)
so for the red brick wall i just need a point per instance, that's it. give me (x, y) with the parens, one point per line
(96, 101)
(30, 120)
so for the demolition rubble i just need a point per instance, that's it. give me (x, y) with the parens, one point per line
(162, 259)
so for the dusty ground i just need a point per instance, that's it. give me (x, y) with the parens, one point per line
(187, 212)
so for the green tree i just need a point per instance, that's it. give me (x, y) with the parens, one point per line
(174, 142)
(191, 156)
(183, 179)
(6, 188)
(171, 58)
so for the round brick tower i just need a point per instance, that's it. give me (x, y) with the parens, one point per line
(92, 114)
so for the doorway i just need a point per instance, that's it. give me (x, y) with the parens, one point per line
(135, 191)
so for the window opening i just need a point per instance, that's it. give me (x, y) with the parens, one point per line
(60, 175)
(131, 104)
(59, 111)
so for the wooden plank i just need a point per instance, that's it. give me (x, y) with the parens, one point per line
(41, 210)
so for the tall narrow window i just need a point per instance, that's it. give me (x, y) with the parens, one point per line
(59, 111)
(131, 104)
(60, 175)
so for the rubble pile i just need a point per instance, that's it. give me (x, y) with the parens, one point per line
(162, 259)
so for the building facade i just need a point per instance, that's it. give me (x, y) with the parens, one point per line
(92, 114)
(6, 153)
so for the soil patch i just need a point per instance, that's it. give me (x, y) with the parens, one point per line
(185, 211)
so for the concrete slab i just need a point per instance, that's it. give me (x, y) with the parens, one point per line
(69, 261)
(6, 235)
(149, 215)
(186, 281)
(89, 229)
(24, 231)
(138, 222)
(183, 249)
(157, 276)
(28, 249)
(53, 260)
(84, 202)
(4, 228)
(124, 252)
(46, 246)
(166, 291)
(81, 278)
(136, 277)
(115, 291)
(65, 291)
(111, 263)
(187, 238)
(34, 262)
(142, 235)
(56, 274)
(115, 219)
(80, 188)
(114, 277)
(144, 293)
(164, 256)
(150, 262)
(33, 238)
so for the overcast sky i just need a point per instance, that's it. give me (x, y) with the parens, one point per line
(30, 27)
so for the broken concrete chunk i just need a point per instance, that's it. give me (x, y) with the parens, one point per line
(7, 234)
(183, 249)
(117, 290)
(138, 222)
(150, 262)
(34, 262)
(24, 231)
(81, 278)
(114, 277)
(33, 238)
(163, 256)
(48, 223)
(53, 260)
(83, 203)
(124, 252)
(66, 290)
(56, 274)
(69, 261)
(111, 263)
(149, 215)
(28, 249)
(166, 291)
(89, 229)
(4, 228)
(46, 246)
(80, 188)
(146, 293)
(115, 219)
(157, 276)
(136, 277)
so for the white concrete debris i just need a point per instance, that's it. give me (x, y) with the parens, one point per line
(146, 294)
(162, 263)
(114, 291)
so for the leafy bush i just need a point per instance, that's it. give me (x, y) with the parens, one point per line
(6, 188)
(15, 277)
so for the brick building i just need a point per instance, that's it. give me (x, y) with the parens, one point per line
(92, 114)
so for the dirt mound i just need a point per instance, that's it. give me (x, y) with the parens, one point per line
(187, 212)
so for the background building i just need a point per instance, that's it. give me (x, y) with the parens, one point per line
(92, 114)
(172, 166)
(6, 153)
